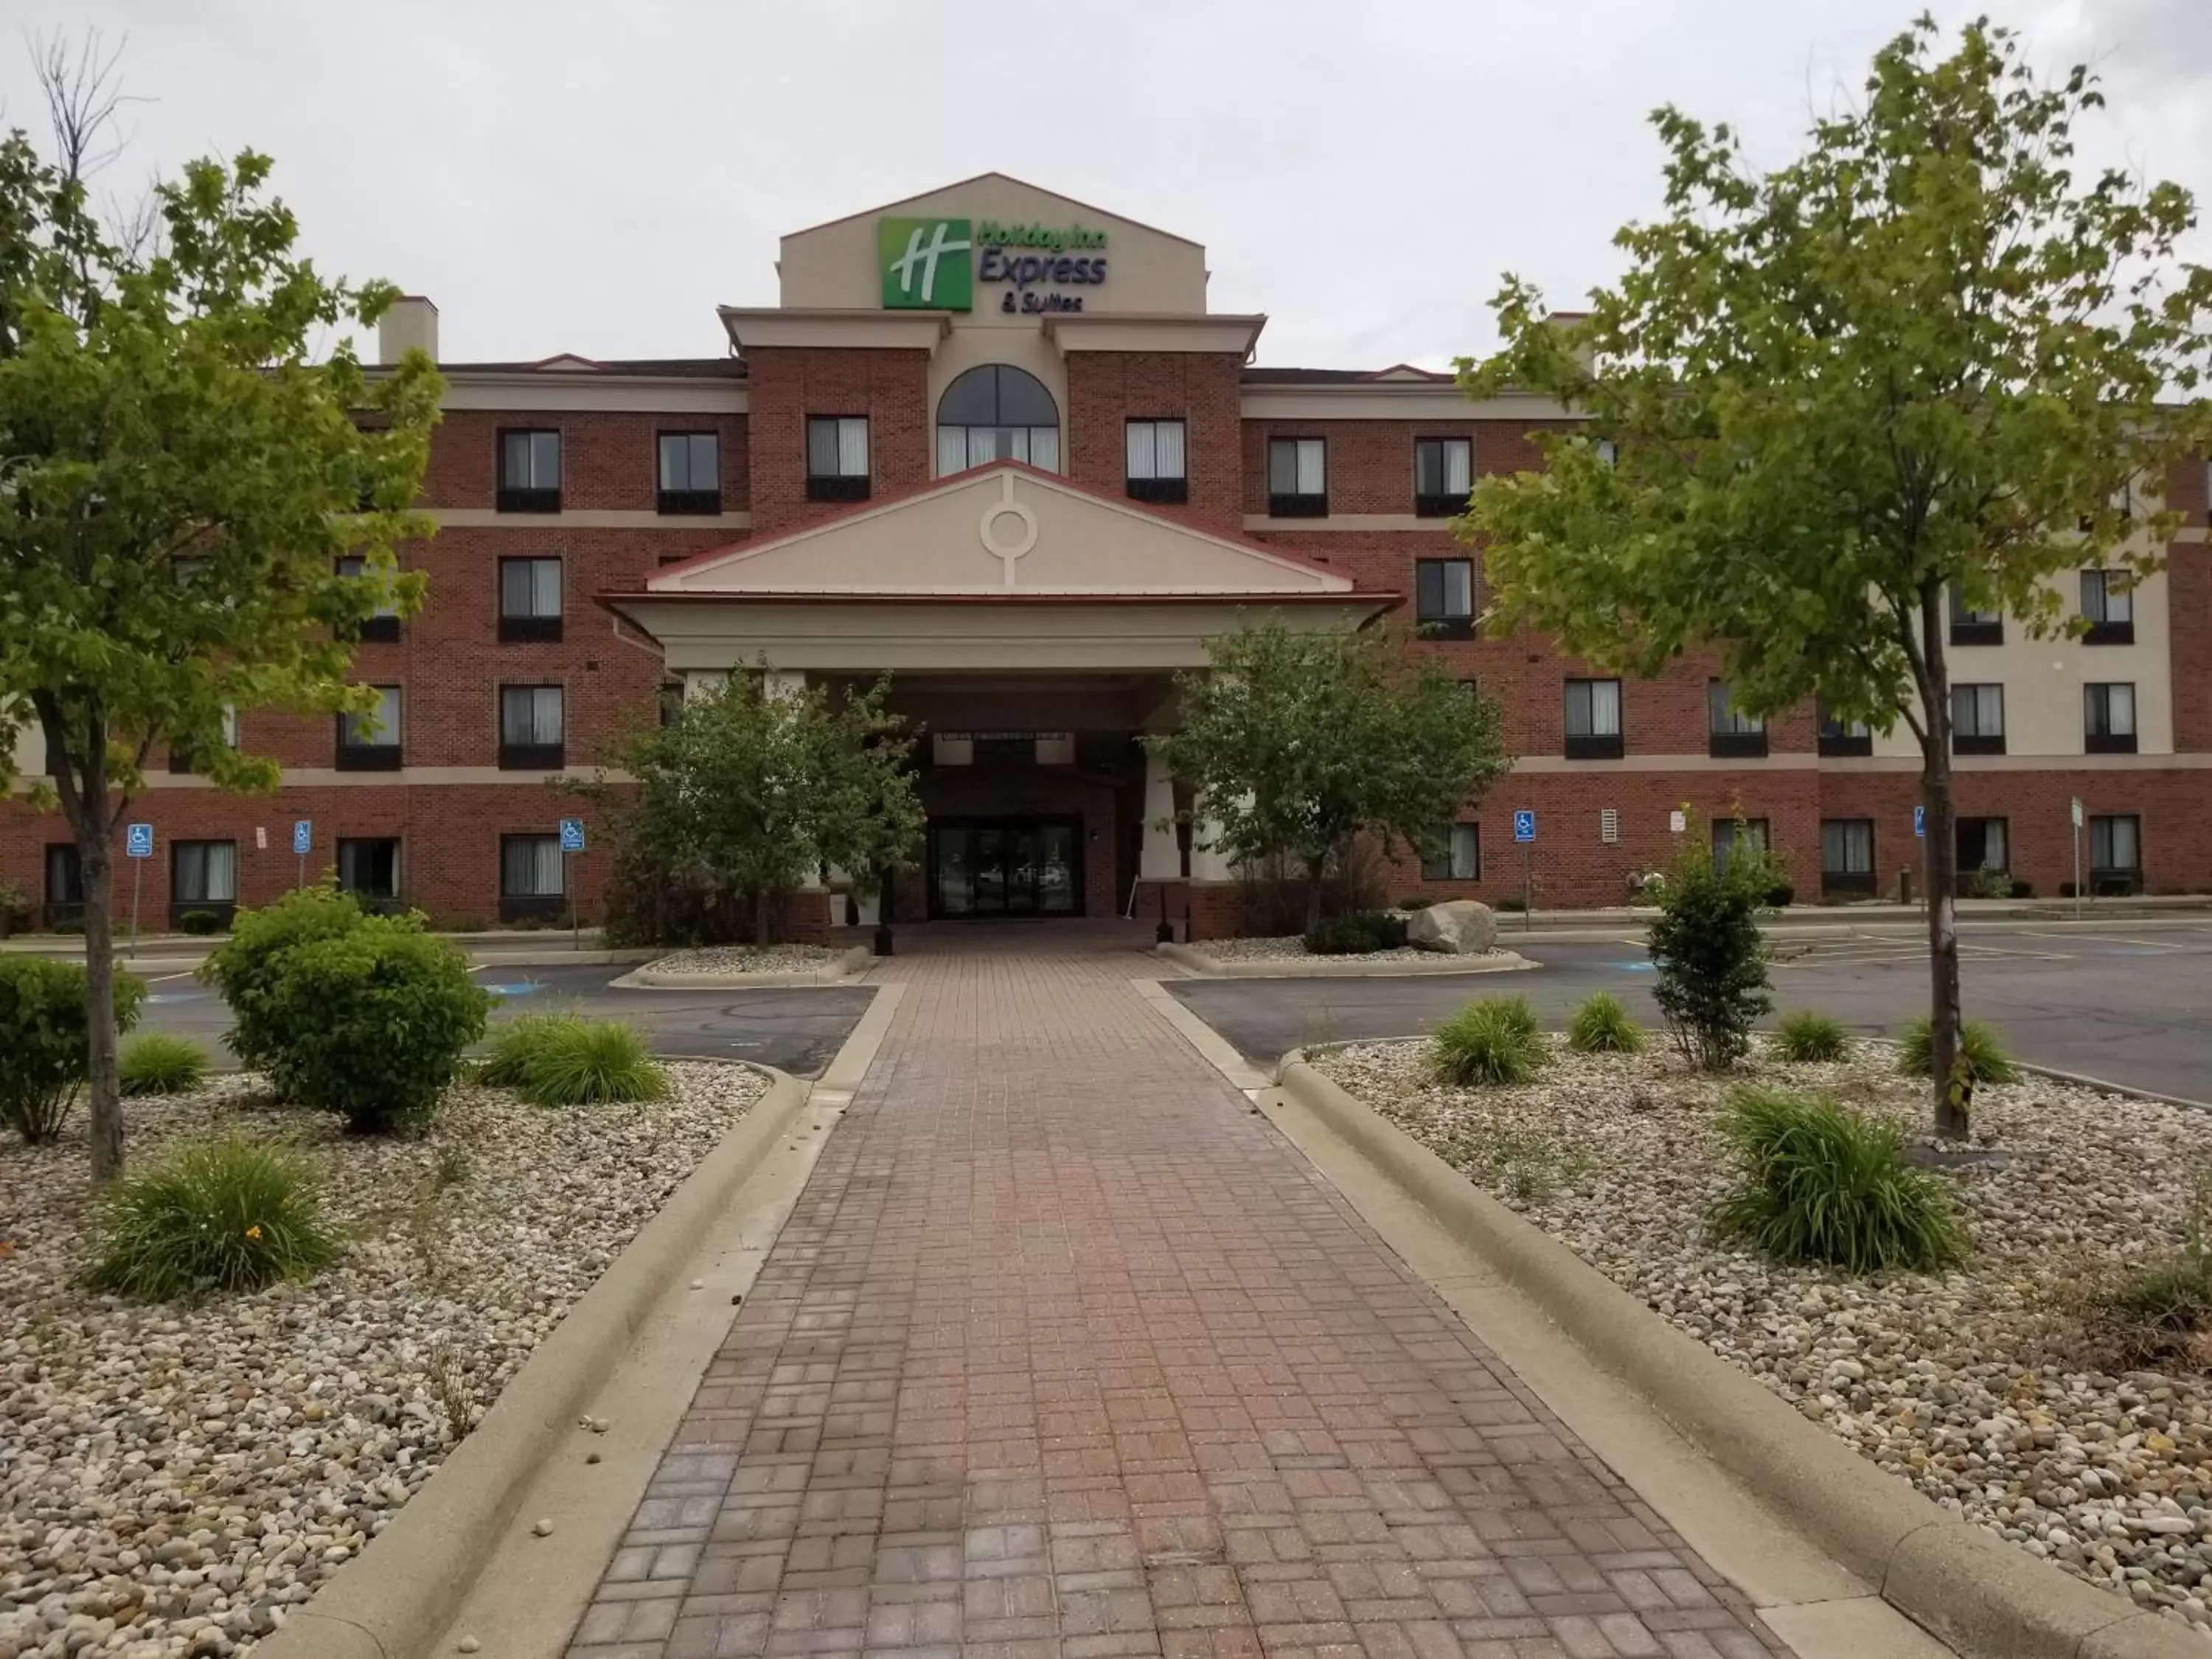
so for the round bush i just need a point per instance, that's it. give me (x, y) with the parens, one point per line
(1491, 1041)
(213, 1215)
(43, 1038)
(586, 1063)
(1806, 1038)
(1356, 933)
(1980, 1046)
(1601, 1026)
(161, 1063)
(372, 1024)
(1817, 1183)
(201, 922)
(245, 967)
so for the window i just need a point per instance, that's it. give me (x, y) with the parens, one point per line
(1443, 471)
(368, 868)
(1593, 708)
(1297, 479)
(997, 413)
(690, 473)
(1443, 597)
(1841, 737)
(64, 905)
(531, 878)
(1459, 857)
(1847, 855)
(2115, 853)
(1609, 453)
(1970, 627)
(836, 457)
(184, 758)
(203, 876)
(672, 702)
(2108, 718)
(1983, 845)
(529, 600)
(1977, 719)
(530, 739)
(381, 624)
(370, 743)
(2108, 604)
(1729, 834)
(1157, 468)
(529, 472)
(1729, 732)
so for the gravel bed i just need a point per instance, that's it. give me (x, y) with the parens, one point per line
(1293, 946)
(718, 960)
(173, 1477)
(1993, 1388)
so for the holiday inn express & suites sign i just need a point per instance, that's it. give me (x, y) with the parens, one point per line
(935, 263)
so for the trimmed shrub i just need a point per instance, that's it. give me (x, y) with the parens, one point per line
(201, 922)
(1494, 1040)
(1817, 1183)
(44, 1039)
(1419, 901)
(245, 968)
(514, 1041)
(372, 1023)
(1356, 933)
(213, 1215)
(586, 1063)
(1781, 896)
(1709, 954)
(162, 1063)
(1805, 1038)
(1601, 1026)
(1980, 1046)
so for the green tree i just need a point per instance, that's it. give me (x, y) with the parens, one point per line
(180, 472)
(1296, 745)
(748, 790)
(1925, 357)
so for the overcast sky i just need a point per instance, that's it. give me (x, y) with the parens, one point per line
(566, 175)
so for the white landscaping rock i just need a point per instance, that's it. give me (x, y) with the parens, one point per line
(1459, 927)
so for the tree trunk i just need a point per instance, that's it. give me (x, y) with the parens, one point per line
(759, 896)
(96, 859)
(1314, 868)
(1940, 867)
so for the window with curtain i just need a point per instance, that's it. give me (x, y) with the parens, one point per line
(529, 471)
(1847, 851)
(836, 457)
(204, 872)
(530, 726)
(1297, 477)
(1978, 723)
(1729, 834)
(370, 742)
(1842, 737)
(368, 866)
(2115, 843)
(1984, 844)
(1156, 467)
(1973, 627)
(2108, 606)
(1592, 720)
(1730, 732)
(1443, 471)
(530, 866)
(1459, 857)
(996, 412)
(1443, 597)
(690, 473)
(529, 598)
(2108, 717)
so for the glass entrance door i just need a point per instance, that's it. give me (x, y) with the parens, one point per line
(1005, 867)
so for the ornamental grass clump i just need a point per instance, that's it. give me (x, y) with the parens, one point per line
(591, 1062)
(1818, 1184)
(1601, 1026)
(514, 1042)
(1493, 1041)
(1980, 1048)
(1805, 1038)
(212, 1216)
(162, 1063)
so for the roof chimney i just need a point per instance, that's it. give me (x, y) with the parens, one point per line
(411, 322)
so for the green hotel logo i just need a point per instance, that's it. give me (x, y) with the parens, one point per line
(926, 264)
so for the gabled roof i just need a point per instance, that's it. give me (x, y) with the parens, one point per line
(977, 179)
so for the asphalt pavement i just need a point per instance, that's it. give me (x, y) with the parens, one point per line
(2128, 1002)
(796, 1029)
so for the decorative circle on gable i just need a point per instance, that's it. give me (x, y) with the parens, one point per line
(1012, 548)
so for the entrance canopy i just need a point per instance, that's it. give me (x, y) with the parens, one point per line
(1003, 567)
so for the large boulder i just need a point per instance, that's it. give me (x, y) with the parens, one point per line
(1457, 927)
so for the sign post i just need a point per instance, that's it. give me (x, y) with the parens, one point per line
(303, 838)
(2074, 811)
(1524, 831)
(572, 841)
(138, 845)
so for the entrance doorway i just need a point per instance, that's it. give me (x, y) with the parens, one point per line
(1005, 867)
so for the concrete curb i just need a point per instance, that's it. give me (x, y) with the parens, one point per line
(1975, 1593)
(1193, 960)
(850, 964)
(398, 1596)
(2127, 1090)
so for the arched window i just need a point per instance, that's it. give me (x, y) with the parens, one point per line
(997, 413)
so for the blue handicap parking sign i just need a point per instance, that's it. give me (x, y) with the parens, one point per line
(138, 840)
(303, 835)
(1524, 824)
(1920, 822)
(572, 834)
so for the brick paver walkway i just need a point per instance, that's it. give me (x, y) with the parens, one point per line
(1065, 1351)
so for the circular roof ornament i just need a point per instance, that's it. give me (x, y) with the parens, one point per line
(1008, 544)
